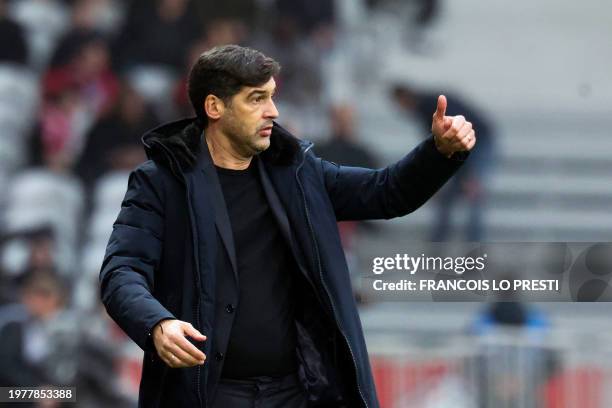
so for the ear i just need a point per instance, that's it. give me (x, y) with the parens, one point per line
(213, 107)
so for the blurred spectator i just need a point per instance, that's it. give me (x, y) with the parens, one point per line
(22, 251)
(152, 47)
(79, 88)
(42, 344)
(300, 80)
(13, 47)
(18, 97)
(510, 313)
(158, 35)
(428, 11)
(103, 16)
(114, 142)
(45, 21)
(241, 12)
(24, 343)
(307, 15)
(44, 198)
(82, 64)
(218, 32)
(343, 148)
(470, 181)
(417, 16)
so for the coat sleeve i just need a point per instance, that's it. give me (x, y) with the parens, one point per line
(360, 194)
(132, 257)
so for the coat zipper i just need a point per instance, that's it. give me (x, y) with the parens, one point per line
(320, 270)
(199, 289)
(173, 160)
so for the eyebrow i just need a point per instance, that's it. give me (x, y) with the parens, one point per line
(260, 92)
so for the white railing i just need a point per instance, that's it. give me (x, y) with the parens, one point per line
(501, 369)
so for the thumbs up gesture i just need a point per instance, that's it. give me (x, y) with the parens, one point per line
(451, 133)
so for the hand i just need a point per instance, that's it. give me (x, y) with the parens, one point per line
(169, 337)
(451, 133)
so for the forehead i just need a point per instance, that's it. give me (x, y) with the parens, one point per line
(269, 86)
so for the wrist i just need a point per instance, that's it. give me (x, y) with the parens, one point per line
(158, 329)
(446, 151)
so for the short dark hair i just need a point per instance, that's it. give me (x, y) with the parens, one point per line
(223, 71)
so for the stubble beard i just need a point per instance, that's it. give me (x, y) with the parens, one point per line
(247, 144)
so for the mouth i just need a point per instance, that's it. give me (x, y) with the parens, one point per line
(266, 131)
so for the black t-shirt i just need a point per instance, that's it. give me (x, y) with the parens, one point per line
(263, 339)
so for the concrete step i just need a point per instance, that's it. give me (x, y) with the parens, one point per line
(538, 221)
(543, 184)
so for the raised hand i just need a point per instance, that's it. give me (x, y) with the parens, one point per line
(451, 133)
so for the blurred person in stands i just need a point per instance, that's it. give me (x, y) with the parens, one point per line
(225, 263)
(44, 21)
(308, 16)
(103, 16)
(42, 343)
(157, 34)
(82, 63)
(244, 14)
(13, 46)
(22, 251)
(218, 32)
(301, 35)
(151, 49)
(470, 183)
(24, 343)
(344, 149)
(113, 144)
(79, 88)
(343, 146)
(420, 15)
(301, 77)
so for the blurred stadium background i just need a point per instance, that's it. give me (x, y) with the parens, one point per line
(80, 80)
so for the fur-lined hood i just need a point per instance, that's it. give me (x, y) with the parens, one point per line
(176, 145)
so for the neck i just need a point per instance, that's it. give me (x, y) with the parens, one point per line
(222, 152)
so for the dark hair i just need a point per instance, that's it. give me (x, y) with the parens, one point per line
(223, 71)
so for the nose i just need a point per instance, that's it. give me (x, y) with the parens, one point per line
(271, 112)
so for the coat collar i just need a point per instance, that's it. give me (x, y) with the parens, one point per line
(178, 146)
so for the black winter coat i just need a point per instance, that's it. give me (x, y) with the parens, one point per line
(163, 257)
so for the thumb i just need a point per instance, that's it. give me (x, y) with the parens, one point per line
(441, 108)
(192, 332)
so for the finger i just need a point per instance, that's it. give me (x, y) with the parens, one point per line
(466, 143)
(184, 357)
(456, 125)
(192, 332)
(472, 141)
(168, 358)
(464, 131)
(441, 108)
(190, 349)
(174, 361)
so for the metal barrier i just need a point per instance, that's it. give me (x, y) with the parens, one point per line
(500, 369)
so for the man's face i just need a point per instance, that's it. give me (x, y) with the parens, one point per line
(247, 119)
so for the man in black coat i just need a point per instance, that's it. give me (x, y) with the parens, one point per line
(225, 263)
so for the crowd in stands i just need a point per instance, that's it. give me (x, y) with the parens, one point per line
(80, 82)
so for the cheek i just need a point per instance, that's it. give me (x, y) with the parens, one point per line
(251, 123)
